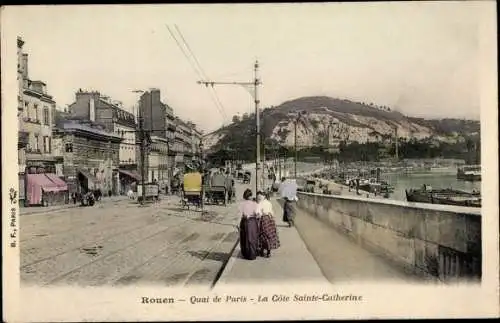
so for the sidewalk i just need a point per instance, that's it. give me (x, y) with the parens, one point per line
(291, 262)
(40, 209)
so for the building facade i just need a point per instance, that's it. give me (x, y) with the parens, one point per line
(196, 142)
(183, 135)
(171, 129)
(158, 167)
(153, 113)
(93, 106)
(90, 157)
(169, 134)
(35, 121)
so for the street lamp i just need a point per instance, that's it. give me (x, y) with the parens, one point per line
(203, 169)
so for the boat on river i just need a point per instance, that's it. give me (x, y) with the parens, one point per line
(447, 196)
(469, 173)
(373, 185)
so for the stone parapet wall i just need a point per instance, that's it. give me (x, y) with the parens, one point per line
(439, 241)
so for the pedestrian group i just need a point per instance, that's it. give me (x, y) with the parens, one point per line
(258, 233)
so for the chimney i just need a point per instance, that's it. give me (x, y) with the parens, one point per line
(92, 109)
(25, 65)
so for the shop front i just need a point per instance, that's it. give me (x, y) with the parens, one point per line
(128, 180)
(87, 182)
(45, 189)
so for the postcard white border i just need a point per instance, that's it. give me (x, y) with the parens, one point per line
(379, 301)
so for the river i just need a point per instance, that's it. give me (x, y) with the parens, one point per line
(436, 180)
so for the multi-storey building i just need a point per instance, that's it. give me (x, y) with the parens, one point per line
(159, 120)
(35, 115)
(178, 137)
(154, 113)
(184, 142)
(196, 141)
(90, 156)
(91, 105)
(158, 168)
(171, 128)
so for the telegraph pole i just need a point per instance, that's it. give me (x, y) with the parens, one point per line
(397, 143)
(142, 138)
(255, 83)
(295, 148)
(257, 121)
(143, 154)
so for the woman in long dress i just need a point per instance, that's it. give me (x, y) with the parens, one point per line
(249, 227)
(268, 235)
(288, 212)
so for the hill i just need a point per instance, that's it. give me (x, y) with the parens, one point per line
(327, 120)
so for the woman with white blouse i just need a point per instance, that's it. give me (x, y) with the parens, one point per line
(268, 235)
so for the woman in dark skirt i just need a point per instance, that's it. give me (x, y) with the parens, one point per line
(288, 212)
(249, 227)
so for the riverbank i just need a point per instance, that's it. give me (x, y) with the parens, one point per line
(402, 182)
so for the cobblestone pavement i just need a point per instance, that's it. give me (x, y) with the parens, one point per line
(120, 243)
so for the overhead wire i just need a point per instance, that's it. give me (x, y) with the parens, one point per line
(197, 68)
(204, 75)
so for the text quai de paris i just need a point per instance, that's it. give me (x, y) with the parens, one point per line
(276, 298)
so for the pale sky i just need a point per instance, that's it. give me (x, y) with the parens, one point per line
(420, 58)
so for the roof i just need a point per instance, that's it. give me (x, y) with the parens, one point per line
(86, 128)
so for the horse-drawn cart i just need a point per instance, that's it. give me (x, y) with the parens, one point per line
(217, 191)
(192, 193)
(216, 194)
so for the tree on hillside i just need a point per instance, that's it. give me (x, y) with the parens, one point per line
(236, 119)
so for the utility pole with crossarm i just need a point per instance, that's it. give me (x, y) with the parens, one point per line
(255, 83)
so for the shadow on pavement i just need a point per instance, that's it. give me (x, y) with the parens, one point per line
(202, 218)
(216, 256)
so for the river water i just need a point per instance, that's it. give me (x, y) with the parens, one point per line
(436, 180)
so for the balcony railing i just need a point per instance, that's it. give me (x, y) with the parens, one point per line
(33, 151)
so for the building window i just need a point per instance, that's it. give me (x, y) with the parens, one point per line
(49, 139)
(46, 118)
(27, 110)
(68, 147)
(45, 144)
(35, 144)
(35, 112)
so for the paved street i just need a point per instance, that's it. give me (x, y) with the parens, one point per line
(119, 243)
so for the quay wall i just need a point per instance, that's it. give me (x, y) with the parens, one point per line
(436, 241)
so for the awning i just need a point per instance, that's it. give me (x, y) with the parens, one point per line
(130, 173)
(58, 181)
(36, 183)
(93, 182)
